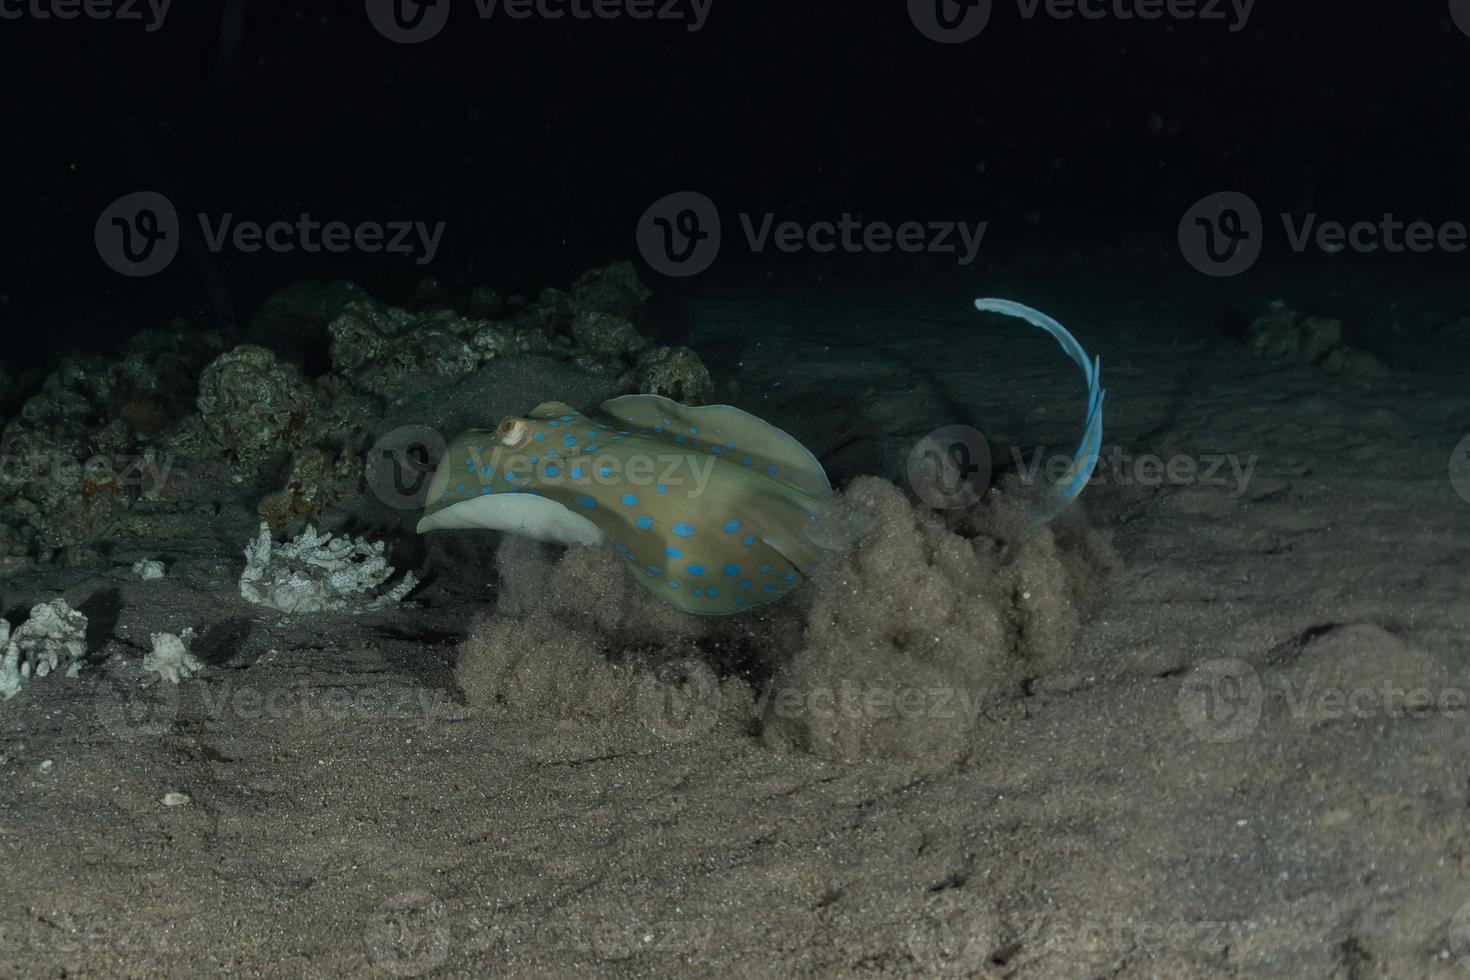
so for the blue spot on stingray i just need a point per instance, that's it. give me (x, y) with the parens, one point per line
(585, 501)
(673, 584)
(532, 459)
(658, 428)
(789, 576)
(747, 540)
(771, 470)
(731, 525)
(576, 472)
(767, 589)
(683, 530)
(485, 470)
(714, 449)
(659, 488)
(654, 569)
(731, 570)
(539, 436)
(765, 568)
(673, 552)
(485, 490)
(694, 569)
(553, 422)
(552, 471)
(692, 430)
(459, 488)
(728, 445)
(697, 590)
(739, 601)
(644, 523)
(566, 418)
(508, 476)
(628, 499)
(745, 460)
(745, 583)
(604, 471)
(590, 447)
(712, 591)
(568, 441)
(678, 438)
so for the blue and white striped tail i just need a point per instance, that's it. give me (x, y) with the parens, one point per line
(1065, 490)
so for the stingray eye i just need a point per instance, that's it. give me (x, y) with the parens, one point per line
(512, 431)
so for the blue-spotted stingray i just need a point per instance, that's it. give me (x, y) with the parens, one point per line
(711, 507)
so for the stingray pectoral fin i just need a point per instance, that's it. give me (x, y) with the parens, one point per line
(1084, 461)
(461, 470)
(727, 430)
(547, 409)
(526, 514)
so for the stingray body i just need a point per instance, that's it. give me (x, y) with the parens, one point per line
(711, 507)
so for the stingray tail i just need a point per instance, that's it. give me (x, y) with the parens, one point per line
(1084, 461)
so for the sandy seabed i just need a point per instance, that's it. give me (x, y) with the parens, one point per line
(1216, 723)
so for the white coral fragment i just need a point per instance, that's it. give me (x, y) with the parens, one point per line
(170, 658)
(148, 569)
(55, 634)
(313, 573)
